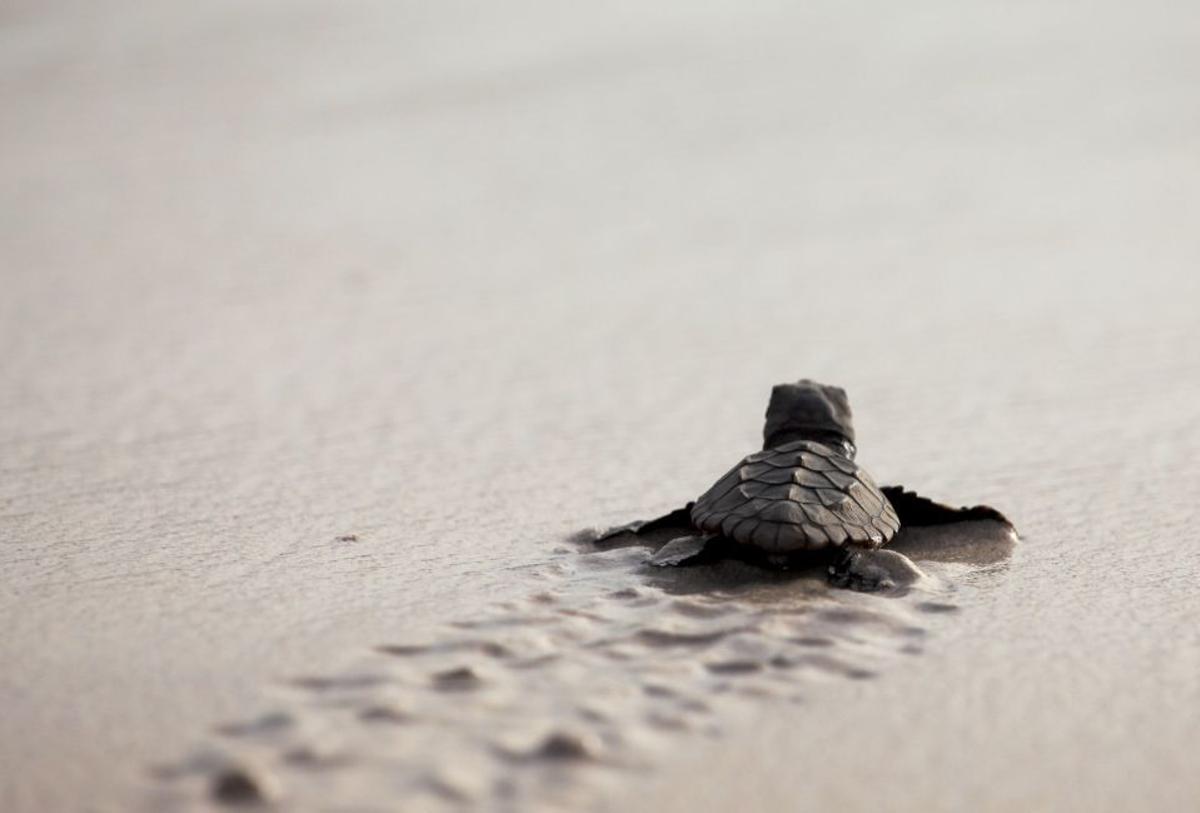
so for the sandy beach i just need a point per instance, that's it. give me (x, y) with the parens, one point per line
(330, 330)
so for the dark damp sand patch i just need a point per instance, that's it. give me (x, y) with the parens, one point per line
(313, 758)
(563, 746)
(237, 786)
(458, 679)
(489, 648)
(338, 682)
(848, 615)
(389, 714)
(658, 690)
(741, 667)
(536, 663)
(405, 650)
(506, 621)
(267, 724)
(823, 664)
(699, 609)
(670, 638)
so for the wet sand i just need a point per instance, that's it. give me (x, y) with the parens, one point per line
(327, 330)
(564, 696)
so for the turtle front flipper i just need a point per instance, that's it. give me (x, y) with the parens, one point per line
(678, 520)
(873, 570)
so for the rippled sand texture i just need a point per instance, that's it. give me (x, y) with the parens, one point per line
(553, 700)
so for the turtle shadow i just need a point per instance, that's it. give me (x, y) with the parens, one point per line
(730, 577)
(737, 580)
(985, 543)
(980, 542)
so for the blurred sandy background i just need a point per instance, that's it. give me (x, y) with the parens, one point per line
(462, 278)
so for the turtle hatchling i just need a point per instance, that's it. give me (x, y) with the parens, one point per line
(801, 498)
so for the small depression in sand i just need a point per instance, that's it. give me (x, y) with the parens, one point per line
(546, 701)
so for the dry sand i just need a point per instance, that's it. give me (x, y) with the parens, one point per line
(458, 281)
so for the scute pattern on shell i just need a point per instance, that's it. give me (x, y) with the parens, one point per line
(801, 495)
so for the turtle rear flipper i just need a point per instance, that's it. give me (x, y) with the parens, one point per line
(915, 510)
(931, 531)
(684, 551)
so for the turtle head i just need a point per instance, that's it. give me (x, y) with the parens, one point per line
(807, 410)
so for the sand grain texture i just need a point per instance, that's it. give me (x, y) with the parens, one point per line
(324, 325)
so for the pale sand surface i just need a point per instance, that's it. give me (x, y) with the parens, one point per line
(461, 280)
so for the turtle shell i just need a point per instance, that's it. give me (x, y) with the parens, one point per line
(798, 496)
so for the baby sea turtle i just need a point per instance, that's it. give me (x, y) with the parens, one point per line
(802, 496)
